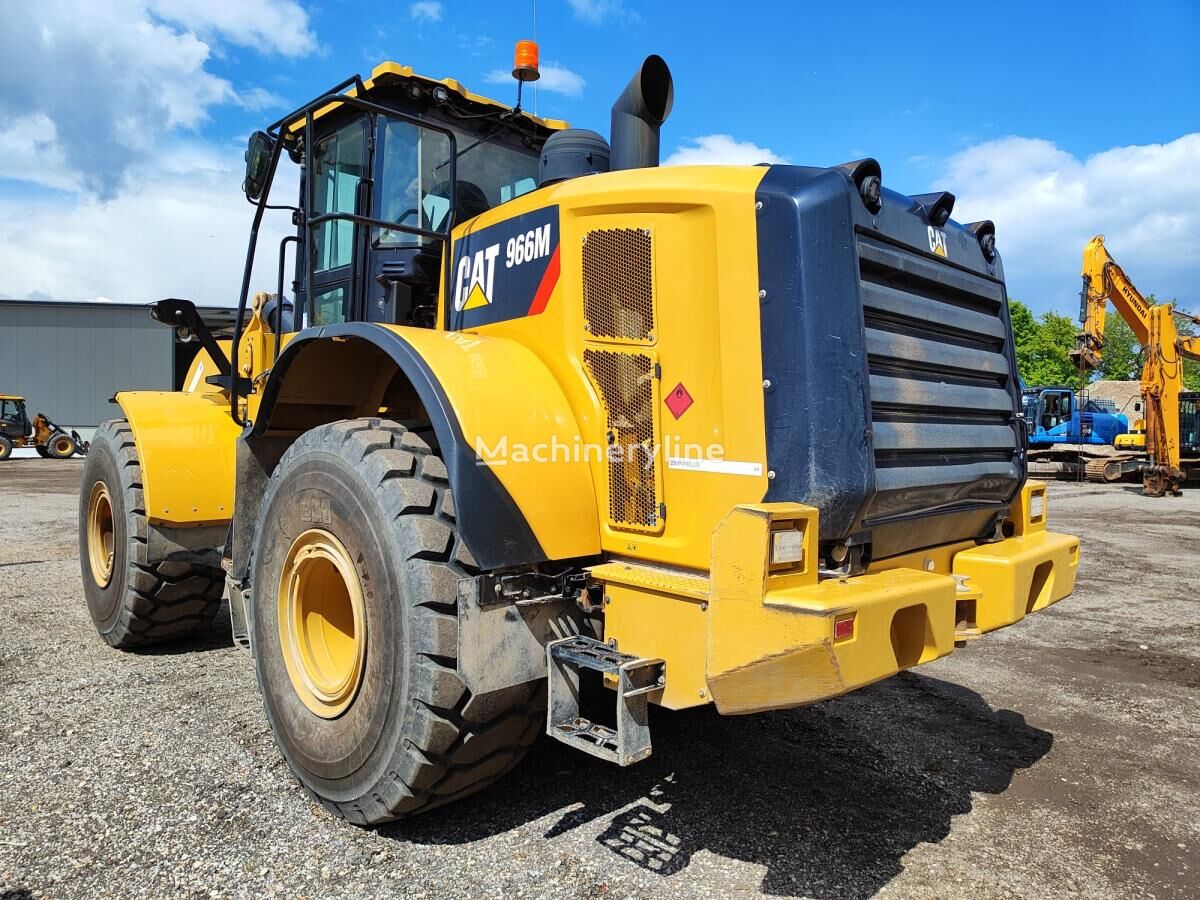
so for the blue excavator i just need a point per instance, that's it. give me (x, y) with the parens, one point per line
(1060, 415)
(1067, 431)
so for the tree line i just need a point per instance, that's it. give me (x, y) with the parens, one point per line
(1044, 342)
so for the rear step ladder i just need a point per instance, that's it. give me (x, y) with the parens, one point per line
(636, 678)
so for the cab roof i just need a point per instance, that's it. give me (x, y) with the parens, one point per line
(391, 73)
(11, 397)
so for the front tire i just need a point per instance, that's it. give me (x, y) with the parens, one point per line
(357, 561)
(135, 596)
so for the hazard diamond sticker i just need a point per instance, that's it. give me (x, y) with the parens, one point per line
(679, 400)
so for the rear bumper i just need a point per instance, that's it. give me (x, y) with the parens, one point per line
(1018, 576)
(776, 637)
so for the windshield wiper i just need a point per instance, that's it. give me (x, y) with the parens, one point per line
(467, 149)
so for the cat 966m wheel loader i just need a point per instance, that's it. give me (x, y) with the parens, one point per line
(543, 417)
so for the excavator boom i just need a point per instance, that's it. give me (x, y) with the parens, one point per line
(1153, 325)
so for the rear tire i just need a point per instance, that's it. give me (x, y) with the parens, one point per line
(60, 446)
(134, 597)
(410, 736)
(6, 447)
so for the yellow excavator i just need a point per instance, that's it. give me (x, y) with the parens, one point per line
(1169, 414)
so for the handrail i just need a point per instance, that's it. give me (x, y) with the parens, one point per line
(329, 98)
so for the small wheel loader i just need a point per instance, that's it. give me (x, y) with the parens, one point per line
(543, 419)
(50, 441)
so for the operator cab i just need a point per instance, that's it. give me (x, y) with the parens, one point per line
(14, 420)
(397, 162)
(1055, 406)
(1189, 423)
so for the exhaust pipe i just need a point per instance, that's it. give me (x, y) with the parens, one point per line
(638, 114)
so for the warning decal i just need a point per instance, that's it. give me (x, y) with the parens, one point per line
(505, 271)
(679, 400)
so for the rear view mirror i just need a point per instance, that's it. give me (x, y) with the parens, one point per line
(258, 161)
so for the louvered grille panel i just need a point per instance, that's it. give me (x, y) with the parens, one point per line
(625, 382)
(942, 408)
(618, 284)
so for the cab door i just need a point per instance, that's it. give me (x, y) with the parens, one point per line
(339, 166)
(13, 421)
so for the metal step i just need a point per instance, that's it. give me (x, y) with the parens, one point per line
(239, 611)
(635, 677)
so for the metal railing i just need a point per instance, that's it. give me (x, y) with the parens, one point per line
(278, 130)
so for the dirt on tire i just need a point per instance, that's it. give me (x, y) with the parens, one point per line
(414, 737)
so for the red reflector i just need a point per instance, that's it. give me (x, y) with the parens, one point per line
(843, 629)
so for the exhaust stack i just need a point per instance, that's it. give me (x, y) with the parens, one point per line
(638, 114)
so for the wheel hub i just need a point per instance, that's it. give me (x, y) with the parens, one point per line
(100, 534)
(322, 623)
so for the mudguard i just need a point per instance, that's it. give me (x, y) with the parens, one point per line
(523, 494)
(185, 445)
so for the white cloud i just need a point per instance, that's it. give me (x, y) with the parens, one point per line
(99, 104)
(426, 11)
(722, 150)
(559, 79)
(102, 85)
(29, 149)
(1047, 203)
(178, 228)
(258, 99)
(596, 11)
(556, 78)
(278, 25)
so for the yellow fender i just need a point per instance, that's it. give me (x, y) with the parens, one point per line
(523, 491)
(185, 444)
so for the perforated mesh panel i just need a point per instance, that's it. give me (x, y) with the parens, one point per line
(618, 283)
(626, 385)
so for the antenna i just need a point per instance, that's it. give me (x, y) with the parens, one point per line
(533, 16)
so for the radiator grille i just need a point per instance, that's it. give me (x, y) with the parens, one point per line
(618, 284)
(626, 384)
(942, 390)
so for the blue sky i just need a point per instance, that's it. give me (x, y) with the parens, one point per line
(1057, 120)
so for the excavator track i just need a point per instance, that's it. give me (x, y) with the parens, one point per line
(1095, 471)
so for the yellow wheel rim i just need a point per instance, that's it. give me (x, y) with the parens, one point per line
(62, 445)
(322, 623)
(100, 534)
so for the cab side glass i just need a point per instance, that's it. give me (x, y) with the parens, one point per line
(258, 161)
(338, 167)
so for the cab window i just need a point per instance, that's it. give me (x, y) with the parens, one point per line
(414, 182)
(339, 165)
(337, 170)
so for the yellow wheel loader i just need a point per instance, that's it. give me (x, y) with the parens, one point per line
(18, 430)
(543, 420)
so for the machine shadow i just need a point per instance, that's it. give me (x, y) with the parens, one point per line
(827, 799)
(217, 636)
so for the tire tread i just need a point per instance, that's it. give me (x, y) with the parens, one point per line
(165, 599)
(453, 745)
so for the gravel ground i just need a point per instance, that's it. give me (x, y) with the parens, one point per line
(1057, 757)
